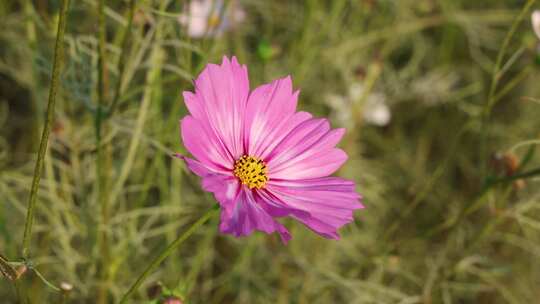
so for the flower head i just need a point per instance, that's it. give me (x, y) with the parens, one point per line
(375, 110)
(210, 17)
(536, 22)
(261, 158)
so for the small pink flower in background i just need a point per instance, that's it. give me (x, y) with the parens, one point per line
(536, 22)
(261, 158)
(211, 17)
(172, 301)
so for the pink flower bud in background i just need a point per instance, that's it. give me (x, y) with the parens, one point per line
(172, 301)
(210, 17)
(21, 270)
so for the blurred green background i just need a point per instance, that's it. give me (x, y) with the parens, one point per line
(450, 184)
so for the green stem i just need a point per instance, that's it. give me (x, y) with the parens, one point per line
(19, 292)
(122, 59)
(167, 251)
(101, 69)
(44, 280)
(102, 39)
(481, 197)
(496, 76)
(101, 171)
(500, 56)
(513, 83)
(526, 174)
(57, 62)
(429, 185)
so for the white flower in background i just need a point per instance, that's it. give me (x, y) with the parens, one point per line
(375, 111)
(210, 17)
(341, 111)
(536, 22)
(434, 87)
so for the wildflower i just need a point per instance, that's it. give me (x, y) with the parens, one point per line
(375, 111)
(21, 270)
(536, 22)
(507, 164)
(172, 301)
(261, 158)
(210, 17)
(434, 87)
(66, 287)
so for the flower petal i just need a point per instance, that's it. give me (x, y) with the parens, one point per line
(272, 138)
(248, 215)
(312, 134)
(219, 102)
(269, 107)
(307, 148)
(225, 189)
(195, 166)
(302, 136)
(222, 183)
(320, 164)
(204, 145)
(307, 152)
(328, 202)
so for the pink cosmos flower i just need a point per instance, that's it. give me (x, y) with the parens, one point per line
(261, 158)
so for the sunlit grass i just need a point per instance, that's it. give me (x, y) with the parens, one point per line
(452, 202)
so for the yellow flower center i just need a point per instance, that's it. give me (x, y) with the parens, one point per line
(213, 21)
(251, 171)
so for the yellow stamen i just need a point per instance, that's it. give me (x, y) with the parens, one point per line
(251, 171)
(213, 21)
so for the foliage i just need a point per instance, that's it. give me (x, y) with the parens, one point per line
(450, 184)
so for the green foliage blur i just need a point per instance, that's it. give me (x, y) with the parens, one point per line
(448, 171)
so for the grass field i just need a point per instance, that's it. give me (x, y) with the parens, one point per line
(440, 98)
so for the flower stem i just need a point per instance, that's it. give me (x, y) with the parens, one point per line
(122, 60)
(44, 280)
(57, 62)
(102, 161)
(167, 251)
(496, 76)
